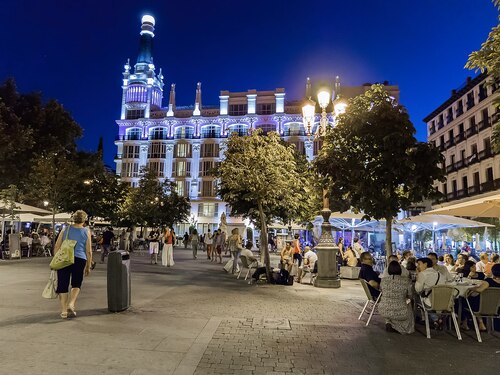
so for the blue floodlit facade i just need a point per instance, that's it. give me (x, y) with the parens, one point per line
(183, 144)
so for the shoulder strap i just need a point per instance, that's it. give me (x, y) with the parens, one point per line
(66, 232)
(439, 275)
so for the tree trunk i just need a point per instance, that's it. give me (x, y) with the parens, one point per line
(53, 230)
(263, 242)
(388, 236)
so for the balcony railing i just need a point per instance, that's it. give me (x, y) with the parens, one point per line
(471, 131)
(451, 168)
(290, 133)
(470, 104)
(450, 142)
(440, 125)
(460, 164)
(158, 137)
(460, 137)
(130, 137)
(485, 154)
(484, 124)
(460, 111)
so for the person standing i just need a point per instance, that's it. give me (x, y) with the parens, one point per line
(297, 252)
(122, 244)
(76, 271)
(208, 242)
(154, 245)
(107, 239)
(219, 243)
(194, 243)
(234, 242)
(167, 256)
(186, 240)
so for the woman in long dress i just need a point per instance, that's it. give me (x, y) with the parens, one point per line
(167, 255)
(394, 303)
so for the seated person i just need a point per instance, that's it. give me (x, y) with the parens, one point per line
(483, 261)
(286, 257)
(449, 262)
(368, 274)
(443, 270)
(350, 257)
(469, 271)
(406, 255)
(394, 258)
(310, 259)
(251, 258)
(495, 259)
(427, 277)
(493, 282)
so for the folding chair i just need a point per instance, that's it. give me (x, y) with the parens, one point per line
(489, 303)
(249, 266)
(309, 271)
(46, 250)
(371, 300)
(442, 302)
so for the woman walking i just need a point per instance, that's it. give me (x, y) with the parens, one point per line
(194, 243)
(167, 255)
(76, 271)
(208, 242)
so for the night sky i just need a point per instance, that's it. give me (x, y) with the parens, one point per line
(74, 51)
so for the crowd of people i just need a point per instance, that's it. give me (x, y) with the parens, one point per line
(406, 279)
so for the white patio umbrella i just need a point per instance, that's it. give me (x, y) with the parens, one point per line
(61, 217)
(19, 208)
(481, 207)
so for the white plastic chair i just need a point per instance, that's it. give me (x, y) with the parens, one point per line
(442, 302)
(371, 301)
(249, 266)
(489, 303)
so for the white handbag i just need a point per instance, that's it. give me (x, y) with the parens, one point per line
(49, 291)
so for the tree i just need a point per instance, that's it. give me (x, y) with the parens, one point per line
(154, 203)
(372, 161)
(30, 128)
(261, 178)
(488, 59)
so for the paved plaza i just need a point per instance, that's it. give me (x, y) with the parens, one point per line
(196, 319)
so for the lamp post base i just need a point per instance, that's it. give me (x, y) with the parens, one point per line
(327, 250)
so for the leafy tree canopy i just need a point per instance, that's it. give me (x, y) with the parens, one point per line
(154, 203)
(372, 162)
(262, 178)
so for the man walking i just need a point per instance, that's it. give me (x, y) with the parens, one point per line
(107, 239)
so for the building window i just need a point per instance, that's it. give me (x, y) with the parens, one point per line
(460, 107)
(130, 170)
(208, 188)
(207, 167)
(157, 167)
(133, 114)
(182, 188)
(134, 134)
(209, 150)
(470, 100)
(483, 93)
(266, 108)
(489, 174)
(238, 109)
(130, 152)
(136, 94)
(449, 115)
(181, 168)
(294, 129)
(184, 132)
(266, 128)
(208, 210)
(299, 145)
(182, 150)
(157, 150)
(240, 129)
(211, 131)
(158, 133)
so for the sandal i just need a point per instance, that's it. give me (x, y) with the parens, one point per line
(64, 315)
(71, 312)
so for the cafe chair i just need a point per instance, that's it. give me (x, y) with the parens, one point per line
(489, 303)
(249, 266)
(442, 299)
(371, 301)
(309, 270)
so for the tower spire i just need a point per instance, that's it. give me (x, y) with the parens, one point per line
(197, 102)
(336, 88)
(308, 88)
(146, 41)
(171, 101)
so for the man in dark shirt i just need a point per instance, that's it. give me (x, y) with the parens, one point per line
(368, 274)
(107, 240)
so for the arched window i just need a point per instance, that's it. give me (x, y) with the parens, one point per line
(210, 131)
(184, 132)
(241, 129)
(134, 134)
(266, 128)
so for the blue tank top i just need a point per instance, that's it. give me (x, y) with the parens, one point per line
(80, 236)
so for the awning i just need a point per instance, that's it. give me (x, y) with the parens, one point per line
(480, 207)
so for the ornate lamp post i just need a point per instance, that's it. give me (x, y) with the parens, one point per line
(327, 250)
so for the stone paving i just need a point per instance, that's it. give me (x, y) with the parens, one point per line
(195, 318)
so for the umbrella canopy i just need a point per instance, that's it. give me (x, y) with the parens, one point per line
(21, 208)
(481, 207)
(59, 218)
(439, 222)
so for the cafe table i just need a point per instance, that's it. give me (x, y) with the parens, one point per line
(463, 288)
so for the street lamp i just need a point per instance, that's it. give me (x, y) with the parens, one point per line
(327, 249)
